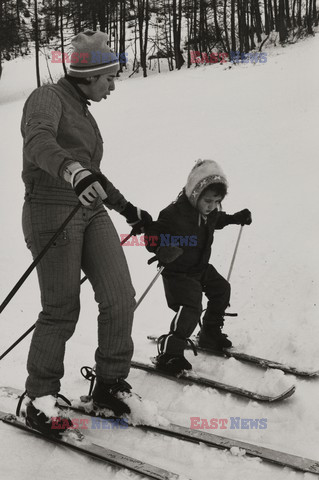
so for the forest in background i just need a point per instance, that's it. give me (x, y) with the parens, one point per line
(169, 29)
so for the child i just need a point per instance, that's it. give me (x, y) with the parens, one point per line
(182, 238)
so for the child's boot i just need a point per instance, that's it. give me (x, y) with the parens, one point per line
(170, 359)
(212, 337)
(172, 364)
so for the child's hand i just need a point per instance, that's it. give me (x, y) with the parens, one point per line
(168, 254)
(243, 217)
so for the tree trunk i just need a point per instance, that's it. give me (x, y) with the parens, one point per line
(37, 46)
(170, 57)
(258, 20)
(241, 25)
(266, 16)
(146, 36)
(179, 60)
(252, 26)
(314, 13)
(18, 13)
(299, 21)
(56, 14)
(1, 30)
(195, 26)
(226, 28)
(188, 24)
(217, 28)
(271, 16)
(61, 35)
(282, 22)
(143, 12)
(276, 16)
(288, 20)
(122, 34)
(233, 26)
(101, 14)
(309, 18)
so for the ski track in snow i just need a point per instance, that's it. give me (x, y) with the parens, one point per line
(260, 123)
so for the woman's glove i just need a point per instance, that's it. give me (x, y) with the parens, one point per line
(87, 184)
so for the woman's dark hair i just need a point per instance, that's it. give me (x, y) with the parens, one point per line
(217, 188)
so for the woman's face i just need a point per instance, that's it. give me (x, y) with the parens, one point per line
(100, 87)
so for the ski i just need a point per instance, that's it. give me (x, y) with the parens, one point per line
(246, 357)
(108, 456)
(193, 379)
(217, 441)
(277, 457)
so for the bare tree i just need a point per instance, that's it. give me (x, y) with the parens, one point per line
(177, 21)
(36, 40)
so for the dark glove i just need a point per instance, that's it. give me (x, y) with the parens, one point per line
(136, 218)
(168, 254)
(242, 218)
(88, 186)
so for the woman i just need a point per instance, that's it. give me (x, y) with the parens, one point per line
(62, 152)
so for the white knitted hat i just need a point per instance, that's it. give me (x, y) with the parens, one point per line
(203, 174)
(92, 56)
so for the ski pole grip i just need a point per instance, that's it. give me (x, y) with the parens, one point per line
(152, 260)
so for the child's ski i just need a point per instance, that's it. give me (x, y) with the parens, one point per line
(246, 357)
(191, 379)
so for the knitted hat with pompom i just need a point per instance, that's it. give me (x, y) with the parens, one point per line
(92, 56)
(203, 174)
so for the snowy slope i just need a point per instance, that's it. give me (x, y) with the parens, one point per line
(260, 123)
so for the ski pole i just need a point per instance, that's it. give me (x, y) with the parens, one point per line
(229, 274)
(148, 288)
(37, 260)
(17, 341)
(25, 334)
(235, 253)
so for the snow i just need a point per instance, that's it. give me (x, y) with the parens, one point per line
(260, 123)
(47, 405)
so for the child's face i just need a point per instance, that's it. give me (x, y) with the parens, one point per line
(208, 202)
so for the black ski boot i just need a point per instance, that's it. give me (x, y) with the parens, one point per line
(212, 338)
(172, 364)
(53, 426)
(112, 396)
(170, 358)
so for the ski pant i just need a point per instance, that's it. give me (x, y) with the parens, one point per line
(89, 242)
(184, 295)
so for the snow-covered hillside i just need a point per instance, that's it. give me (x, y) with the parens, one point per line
(260, 123)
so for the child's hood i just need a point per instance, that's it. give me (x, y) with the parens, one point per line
(204, 173)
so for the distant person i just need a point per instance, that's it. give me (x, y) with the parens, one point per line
(62, 151)
(182, 238)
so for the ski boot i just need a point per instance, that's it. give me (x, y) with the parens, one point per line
(212, 338)
(172, 364)
(112, 396)
(43, 415)
(170, 358)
